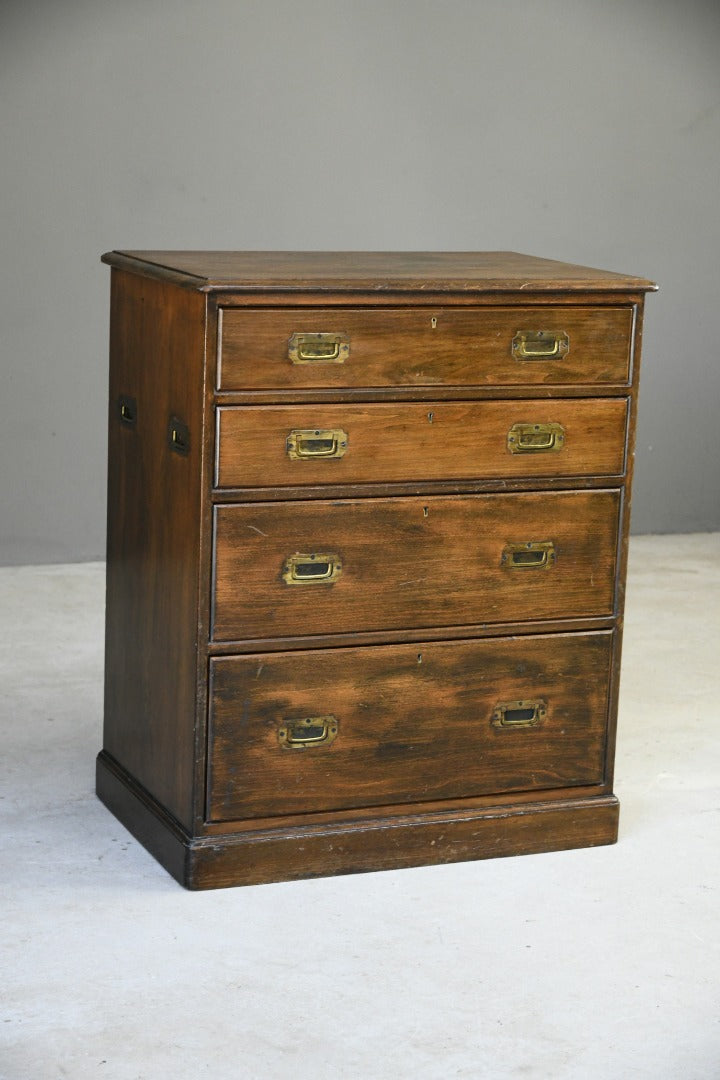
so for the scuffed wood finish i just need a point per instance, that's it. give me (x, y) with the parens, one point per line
(412, 562)
(435, 441)
(425, 632)
(351, 845)
(154, 505)
(402, 347)
(408, 271)
(414, 722)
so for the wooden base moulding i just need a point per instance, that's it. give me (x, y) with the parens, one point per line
(354, 846)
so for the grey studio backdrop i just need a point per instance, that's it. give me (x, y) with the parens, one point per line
(585, 130)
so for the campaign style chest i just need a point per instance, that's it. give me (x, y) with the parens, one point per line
(367, 538)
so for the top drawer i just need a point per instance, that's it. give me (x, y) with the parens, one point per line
(301, 348)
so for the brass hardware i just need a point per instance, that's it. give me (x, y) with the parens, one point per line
(318, 348)
(433, 322)
(533, 555)
(178, 436)
(315, 569)
(519, 714)
(535, 438)
(310, 732)
(311, 444)
(540, 345)
(127, 410)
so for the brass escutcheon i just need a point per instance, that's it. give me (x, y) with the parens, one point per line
(540, 344)
(312, 444)
(519, 714)
(531, 555)
(312, 569)
(320, 348)
(535, 438)
(309, 732)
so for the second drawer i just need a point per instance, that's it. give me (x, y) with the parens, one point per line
(337, 566)
(263, 446)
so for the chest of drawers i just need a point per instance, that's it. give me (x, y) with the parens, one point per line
(367, 533)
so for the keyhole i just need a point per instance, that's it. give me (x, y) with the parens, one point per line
(425, 511)
(433, 322)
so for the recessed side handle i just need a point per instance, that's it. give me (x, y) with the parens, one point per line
(312, 569)
(540, 345)
(127, 410)
(519, 714)
(535, 438)
(178, 434)
(313, 444)
(531, 555)
(308, 733)
(319, 348)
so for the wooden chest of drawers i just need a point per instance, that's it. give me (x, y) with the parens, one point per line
(367, 532)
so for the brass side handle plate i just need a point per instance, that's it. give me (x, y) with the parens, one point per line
(127, 410)
(316, 568)
(318, 348)
(530, 555)
(308, 733)
(535, 438)
(178, 435)
(540, 345)
(315, 444)
(519, 714)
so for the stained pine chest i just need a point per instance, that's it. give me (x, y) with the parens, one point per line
(367, 537)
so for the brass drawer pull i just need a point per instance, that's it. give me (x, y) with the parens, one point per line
(533, 555)
(535, 438)
(315, 569)
(318, 348)
(540, 345)
(312, 444)
(310, 732)
(519, 714)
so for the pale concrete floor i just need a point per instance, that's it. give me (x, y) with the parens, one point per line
(591, 965)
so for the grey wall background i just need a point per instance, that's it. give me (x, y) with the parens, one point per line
(586, 130)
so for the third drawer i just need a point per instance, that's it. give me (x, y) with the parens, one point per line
(288, 570)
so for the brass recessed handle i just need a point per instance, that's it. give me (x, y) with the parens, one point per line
(178, 435)
(309, 732)
(312, 569)
(311, 444)
(540, 345)
(127, 410)
(519, 714)
(320, 348)
(535, 438)
(532, 555)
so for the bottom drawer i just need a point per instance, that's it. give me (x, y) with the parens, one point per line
(334, 729)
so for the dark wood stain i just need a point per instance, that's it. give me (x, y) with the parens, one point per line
(400, 443)
(407, 728)
(209, 651)
(467, 347)
(402, 568)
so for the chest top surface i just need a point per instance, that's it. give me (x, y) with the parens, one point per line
(409, 271)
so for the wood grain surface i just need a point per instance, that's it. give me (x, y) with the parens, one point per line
(412, 562)
(414, 723)
(457, 271)
(401, 347)
(153, 537)
(410, 442)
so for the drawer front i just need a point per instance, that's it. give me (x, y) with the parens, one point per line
(326, 567)
(339, 728)
(298, 348)
(263, 446)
